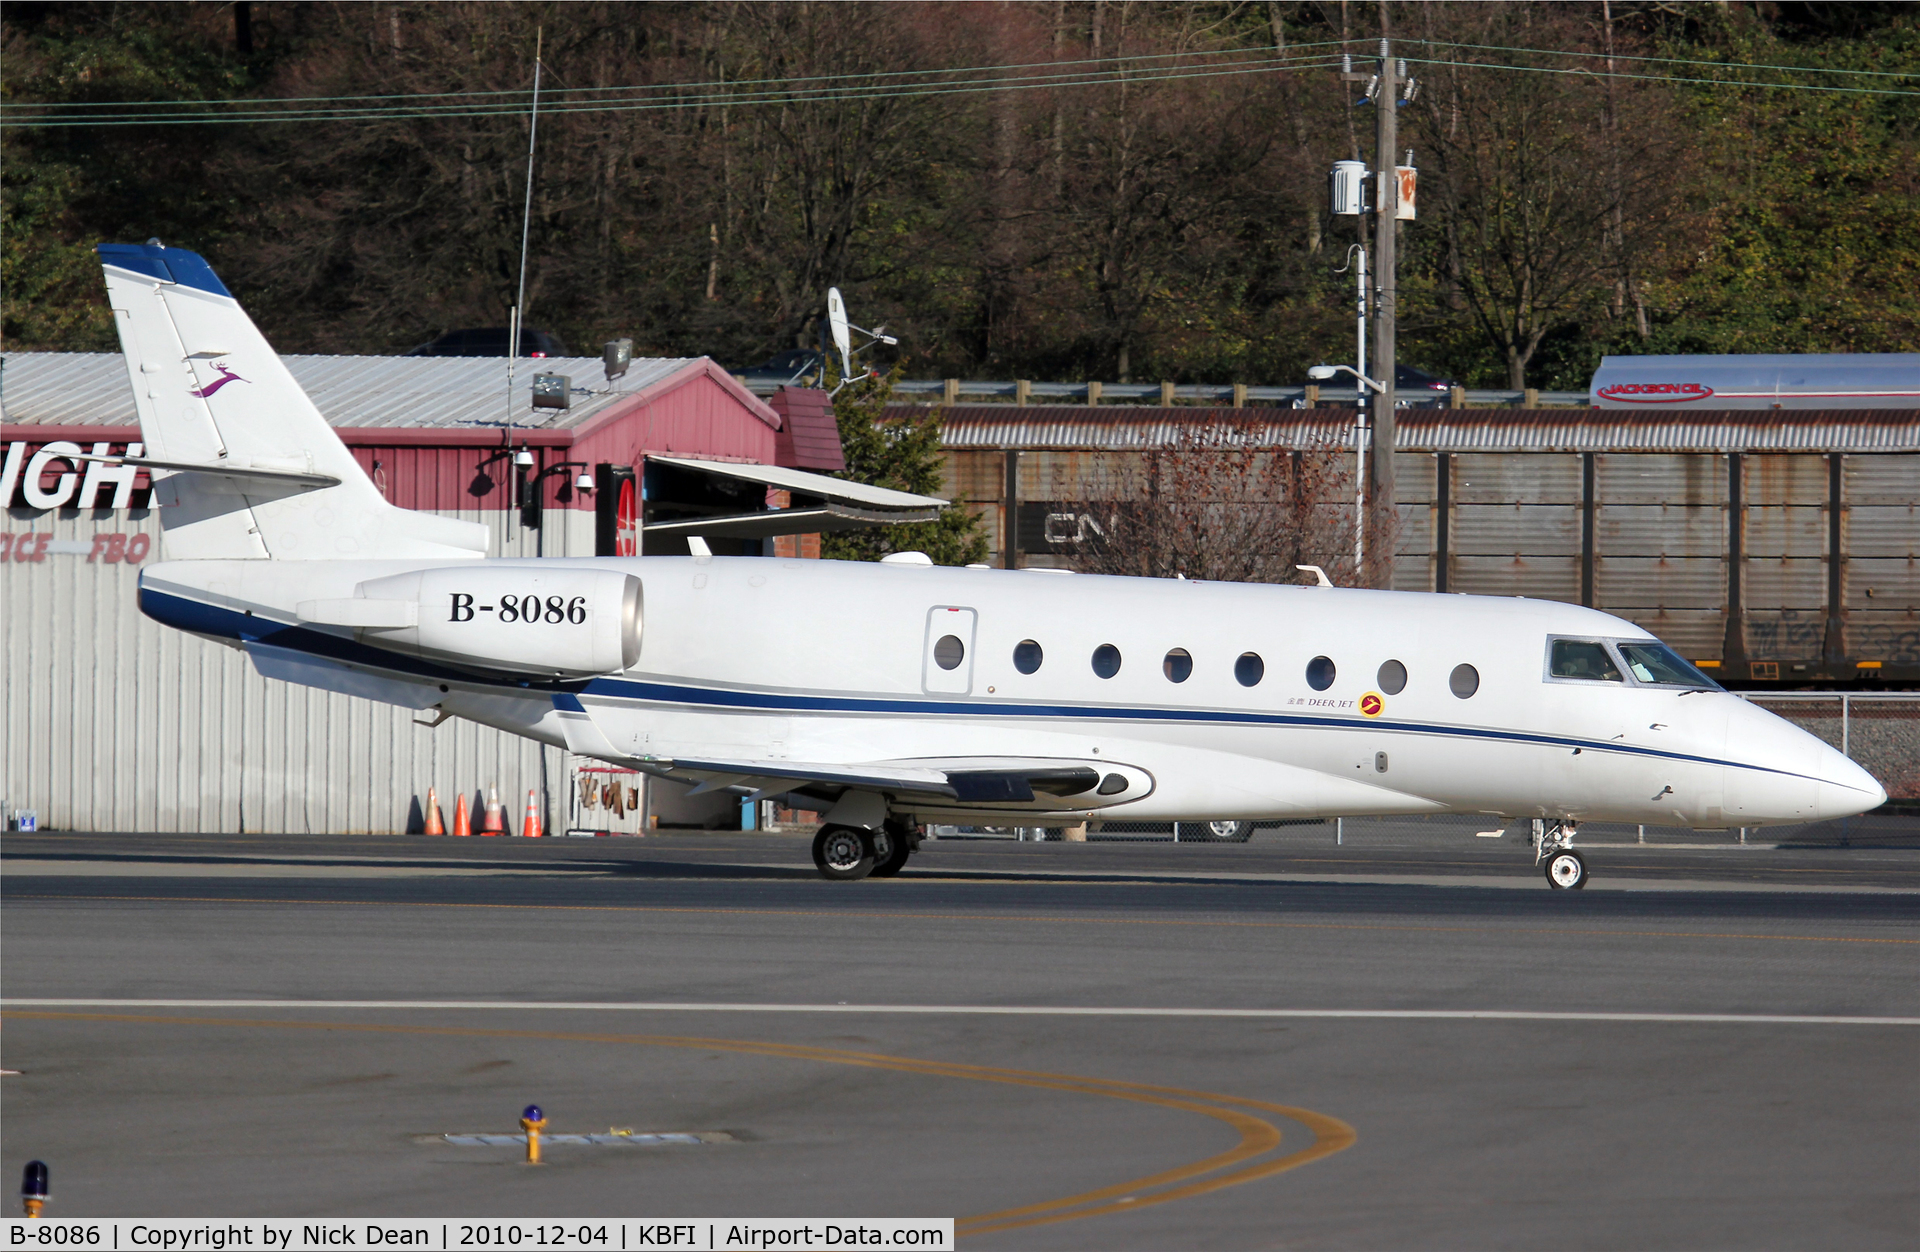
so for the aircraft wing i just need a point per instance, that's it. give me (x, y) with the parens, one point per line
(965, 780)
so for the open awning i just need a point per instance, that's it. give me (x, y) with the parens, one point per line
(838, 490)
(841, 506)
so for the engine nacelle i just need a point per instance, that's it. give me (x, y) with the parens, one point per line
(564, 622)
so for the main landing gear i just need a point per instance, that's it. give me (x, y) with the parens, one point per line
(1553, 848)
(847, 853)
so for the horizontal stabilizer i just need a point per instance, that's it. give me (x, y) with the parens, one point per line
(251, 475)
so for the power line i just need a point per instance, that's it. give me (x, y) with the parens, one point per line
(1667, 78)
(1110, 71)
(1725, 65)
(1074, 78)
(866, 75)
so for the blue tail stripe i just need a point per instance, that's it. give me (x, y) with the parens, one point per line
(171, 265)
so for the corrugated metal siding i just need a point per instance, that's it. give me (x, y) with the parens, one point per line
(91, 389)
(1693, 632)
(1796, 530)
(1636, 583)
(1539, 577)
(114, 722)
(1893, 637)
(1779, 583)
(1785, 634)
(1883, 530)
(1441, 430)
(1660, 530)
(1490, 479)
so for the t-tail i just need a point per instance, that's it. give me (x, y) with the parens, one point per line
(244, 466)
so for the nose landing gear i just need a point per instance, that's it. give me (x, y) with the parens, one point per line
(1553, 847)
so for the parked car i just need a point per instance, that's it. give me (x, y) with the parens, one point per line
(491, 341)
(1407, 378)
(799, 366)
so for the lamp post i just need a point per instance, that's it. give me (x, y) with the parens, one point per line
(1319, 374)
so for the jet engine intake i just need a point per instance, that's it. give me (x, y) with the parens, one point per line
(521, 619)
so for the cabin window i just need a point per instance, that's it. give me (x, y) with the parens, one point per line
(1584, 659)
(1657, 663)
(948, 652)
(1392, 678)
(1249, 669)
(1178, 666)
(1106, 660)
(1027, 656)
(1464, 681)
(1320, 673)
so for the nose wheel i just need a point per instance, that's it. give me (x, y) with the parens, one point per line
(1553, 849)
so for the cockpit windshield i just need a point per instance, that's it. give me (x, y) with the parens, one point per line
(1582, 659)
(1657, 663)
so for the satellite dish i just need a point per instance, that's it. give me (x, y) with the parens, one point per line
(842, 340)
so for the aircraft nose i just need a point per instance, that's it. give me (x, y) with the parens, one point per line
(1845, 788)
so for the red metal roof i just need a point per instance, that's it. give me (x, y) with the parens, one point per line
(809, 435)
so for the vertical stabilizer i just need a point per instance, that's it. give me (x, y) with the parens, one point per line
(211, 392)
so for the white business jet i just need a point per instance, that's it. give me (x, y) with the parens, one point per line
(919, 694)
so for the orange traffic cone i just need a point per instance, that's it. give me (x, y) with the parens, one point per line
(530, 828)
(462, 824)
(434, 826)
(490, 823)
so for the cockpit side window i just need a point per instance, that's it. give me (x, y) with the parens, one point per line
(1582, 659)
(1659, 664)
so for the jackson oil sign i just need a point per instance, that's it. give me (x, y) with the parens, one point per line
(1655, 393)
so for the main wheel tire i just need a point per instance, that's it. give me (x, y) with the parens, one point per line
(841, 853)
(1214, 832)
(1566, 870)
(890, 847)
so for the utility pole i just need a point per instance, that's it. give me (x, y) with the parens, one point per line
(1376, 521)
(1381, 516)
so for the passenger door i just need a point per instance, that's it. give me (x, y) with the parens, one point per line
(947, 652)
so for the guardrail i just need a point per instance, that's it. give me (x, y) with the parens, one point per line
(1022, 391)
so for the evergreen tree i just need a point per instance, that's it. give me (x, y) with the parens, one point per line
(904, 455)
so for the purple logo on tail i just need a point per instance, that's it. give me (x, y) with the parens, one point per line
(226, 376)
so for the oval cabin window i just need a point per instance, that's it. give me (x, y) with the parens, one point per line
(1178, 667)
(1106, 660)
(1249, 669)
(948, 652)
(1392, 678)
(1464, 681)
(1027, 656)
(1320, 673)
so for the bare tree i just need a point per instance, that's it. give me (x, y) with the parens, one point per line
(1540, 185)
(1222, 502)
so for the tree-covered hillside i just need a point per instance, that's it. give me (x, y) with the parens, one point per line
(1031, 189)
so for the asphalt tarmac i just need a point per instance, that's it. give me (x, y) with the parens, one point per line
(1412, 1044)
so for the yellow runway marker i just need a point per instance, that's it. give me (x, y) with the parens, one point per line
(996, 918)
(1258, 1136)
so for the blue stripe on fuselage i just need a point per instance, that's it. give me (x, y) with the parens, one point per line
(205, 619)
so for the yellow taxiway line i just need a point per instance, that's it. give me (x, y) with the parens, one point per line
(1259, 1137)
